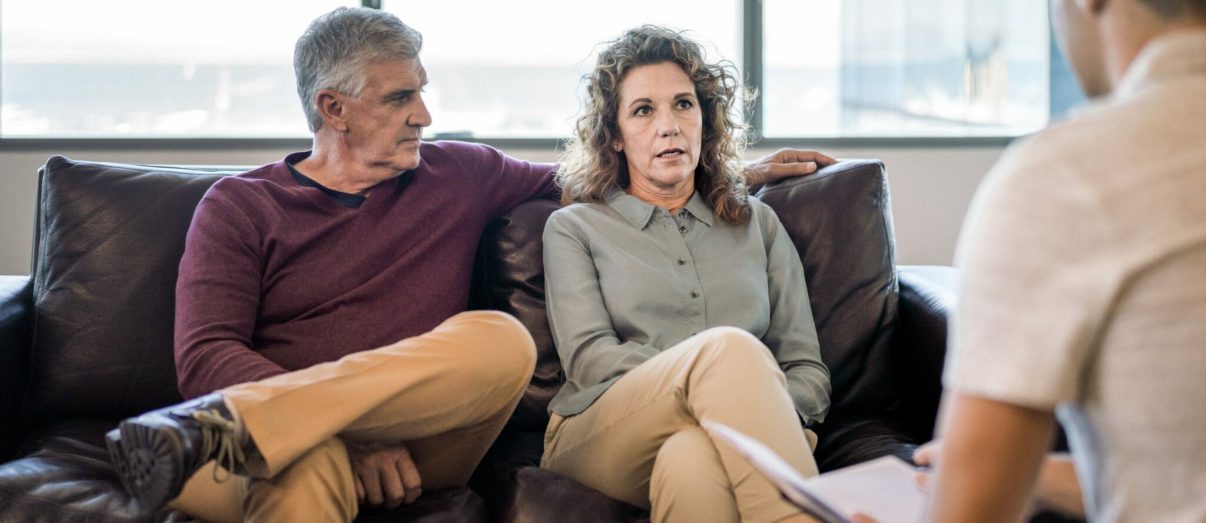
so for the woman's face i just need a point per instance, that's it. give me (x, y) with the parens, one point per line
(661, 126)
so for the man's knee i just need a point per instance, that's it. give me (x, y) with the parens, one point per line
(505, 353)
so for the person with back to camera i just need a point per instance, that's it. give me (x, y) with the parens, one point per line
(674, 297)
(1083, 292)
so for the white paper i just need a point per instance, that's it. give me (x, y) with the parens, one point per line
(883, 488)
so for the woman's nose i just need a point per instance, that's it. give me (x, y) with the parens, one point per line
(668, 126)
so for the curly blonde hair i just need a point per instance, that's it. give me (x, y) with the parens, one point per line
(590, 168)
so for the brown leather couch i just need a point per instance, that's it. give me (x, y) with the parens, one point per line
(87, 339)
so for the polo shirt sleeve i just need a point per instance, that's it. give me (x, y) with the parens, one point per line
(1035, 283)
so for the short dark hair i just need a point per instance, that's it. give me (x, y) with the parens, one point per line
(1174, 9)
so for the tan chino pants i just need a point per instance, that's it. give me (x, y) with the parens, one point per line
(641, 442)
(446, 394)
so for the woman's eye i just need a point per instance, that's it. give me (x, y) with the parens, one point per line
(642, 110)
(685, 104)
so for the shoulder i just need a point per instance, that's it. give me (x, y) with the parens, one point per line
(578, 218)
(763, 217)
(246, 197)
(578, 213)
(445, 153)
(1065, 165)
(759, 210)
(245, 188)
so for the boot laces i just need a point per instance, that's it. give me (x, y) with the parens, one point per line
(218, 440)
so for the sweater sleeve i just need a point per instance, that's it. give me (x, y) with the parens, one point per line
(217, 299)
(507, 181)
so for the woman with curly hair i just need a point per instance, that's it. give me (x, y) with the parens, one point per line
(673, 297)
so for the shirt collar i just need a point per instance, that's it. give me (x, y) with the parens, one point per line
(638, 212)
(699, 209)
(1168, 57)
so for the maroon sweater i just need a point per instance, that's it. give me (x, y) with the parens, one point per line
(279, 276)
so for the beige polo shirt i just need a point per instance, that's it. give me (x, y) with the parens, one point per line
(1084, 287)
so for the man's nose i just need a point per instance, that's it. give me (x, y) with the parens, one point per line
(421, 117)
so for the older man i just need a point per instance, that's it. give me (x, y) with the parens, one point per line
(300, 277)
(1084, 286)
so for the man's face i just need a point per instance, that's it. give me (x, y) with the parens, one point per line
(385, 123)
(1076, 30)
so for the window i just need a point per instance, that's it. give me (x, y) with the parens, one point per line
(905, 67)
(151, 68)
(495, 71)
(512, 69)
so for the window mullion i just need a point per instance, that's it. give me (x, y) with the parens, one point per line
(751, 62)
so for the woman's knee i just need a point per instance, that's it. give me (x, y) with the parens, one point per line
(729, 344)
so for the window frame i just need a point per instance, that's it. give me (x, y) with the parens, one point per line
(753, 69)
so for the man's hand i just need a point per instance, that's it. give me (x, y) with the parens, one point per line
(385, 475)
(1057, 489)
(784, 163)
(924, 457)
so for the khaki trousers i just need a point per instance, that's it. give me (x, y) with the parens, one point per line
(641, 441)
(446, 394)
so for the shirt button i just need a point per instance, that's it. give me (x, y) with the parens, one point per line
(682, 261)
(694, 294)
(682, 229)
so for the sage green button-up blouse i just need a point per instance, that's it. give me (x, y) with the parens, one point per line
(624, 280)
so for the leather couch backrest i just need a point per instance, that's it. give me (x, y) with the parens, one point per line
(109, 238)
(510, 269)
(840, 221)
(107, 245)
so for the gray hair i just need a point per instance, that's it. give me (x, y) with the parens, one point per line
(337, 46)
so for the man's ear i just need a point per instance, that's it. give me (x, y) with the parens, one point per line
(1091, 7)
(331, 108)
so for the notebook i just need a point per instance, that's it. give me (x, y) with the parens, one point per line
(884, 489)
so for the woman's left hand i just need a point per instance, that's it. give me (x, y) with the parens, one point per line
(784, 163)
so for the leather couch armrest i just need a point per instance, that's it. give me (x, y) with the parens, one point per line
(16, 319)
(927, 299)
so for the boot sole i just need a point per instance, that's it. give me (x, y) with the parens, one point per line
(149, 459)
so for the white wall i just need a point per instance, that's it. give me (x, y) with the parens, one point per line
(931, 189)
